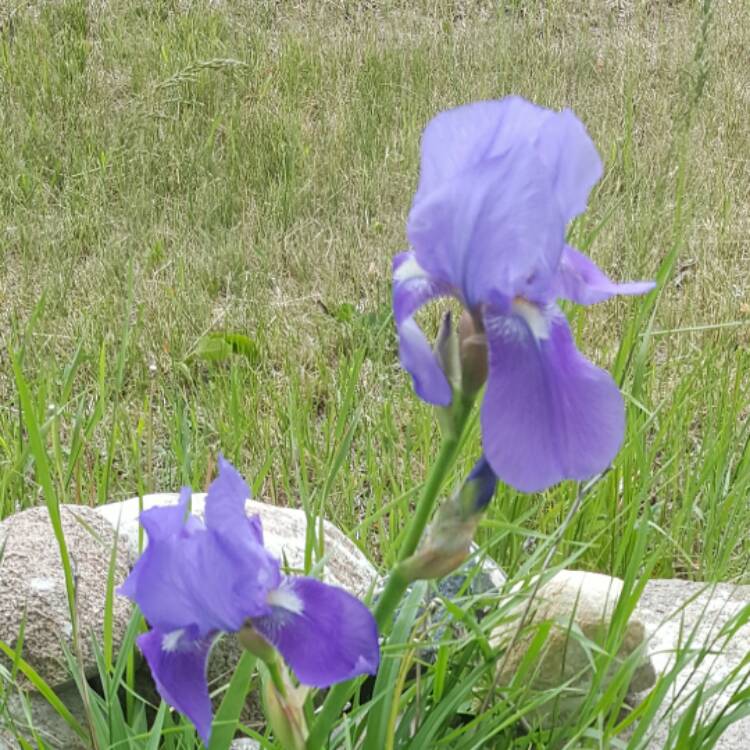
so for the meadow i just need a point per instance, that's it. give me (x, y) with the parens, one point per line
(172, 172)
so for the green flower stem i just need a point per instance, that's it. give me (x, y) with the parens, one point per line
(397, 582)
(445, 460)
(274, 671)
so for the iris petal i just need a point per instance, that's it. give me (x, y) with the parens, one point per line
(256, 571)
(225, 588)
(494, 232)
(156, 582)
(548, 413)
(225, 507)
(179, 671)
(190, 576)
(458, 139)
(165, 521)
(412, 288)
(580, 280)
(571, 156)
(325, 634)
(418, 359)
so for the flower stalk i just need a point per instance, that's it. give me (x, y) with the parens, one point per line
(284, 707)
(398, 580)
(443, 464)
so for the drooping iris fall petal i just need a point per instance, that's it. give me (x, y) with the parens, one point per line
(549, 414)
(178, 666)
(580, 280)
(306, 611)
(418, 359)
(413, 288)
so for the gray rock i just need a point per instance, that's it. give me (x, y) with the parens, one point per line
(692, 622)
(245, 744)
(577, 604)
(283, 532)
(222, 662)
(30, 710)
(474, 584)
(32, 587)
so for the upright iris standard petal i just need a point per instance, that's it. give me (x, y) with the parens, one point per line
(164, 522)
(458, 139)
(226, 588)
(492, 233)
(225, 514)
(570, 155)
(156, 581)
(580, 280)
(324, 633)
(549, 414)
(178, 666)
(195, 578)
(255, 571)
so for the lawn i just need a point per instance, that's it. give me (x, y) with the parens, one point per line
(171, 170)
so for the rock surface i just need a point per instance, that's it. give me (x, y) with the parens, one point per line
(699, 624)
(47, 723)
(682, 615)
(32, 587)
(578, 604)
(466, 586)
(283, 534)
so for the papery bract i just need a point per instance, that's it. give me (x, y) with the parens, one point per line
(196, 580)
(499, 181)
(447, 542)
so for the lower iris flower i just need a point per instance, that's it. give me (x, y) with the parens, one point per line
(499, 181)
(196, 580)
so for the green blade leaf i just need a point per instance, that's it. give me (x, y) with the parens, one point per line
(228, 715)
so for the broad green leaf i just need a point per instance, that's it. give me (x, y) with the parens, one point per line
(219, 346)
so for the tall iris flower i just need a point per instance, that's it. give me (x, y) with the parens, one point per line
(195, 580)
(499, 181)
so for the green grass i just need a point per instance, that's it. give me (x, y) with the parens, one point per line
(171, 169)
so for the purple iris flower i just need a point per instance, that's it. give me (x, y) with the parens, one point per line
(195, 580)
(499, 182)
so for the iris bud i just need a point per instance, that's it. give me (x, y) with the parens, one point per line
(478, 489)
(448, 539)
(284, 708)
(472, 345)
(446, 351)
